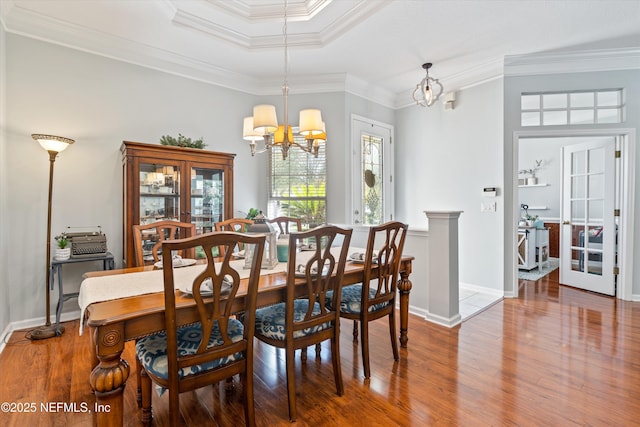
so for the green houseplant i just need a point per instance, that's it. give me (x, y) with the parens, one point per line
(63, 251)
(182, 141)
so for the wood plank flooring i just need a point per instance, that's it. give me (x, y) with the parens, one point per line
(554, 356)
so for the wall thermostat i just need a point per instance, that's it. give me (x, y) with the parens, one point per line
(489, 191)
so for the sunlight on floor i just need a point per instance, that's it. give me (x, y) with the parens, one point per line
(473, 301)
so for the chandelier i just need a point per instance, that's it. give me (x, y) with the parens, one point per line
(263, 125)
(428, 90)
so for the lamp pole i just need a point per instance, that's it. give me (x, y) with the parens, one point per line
(53, 145)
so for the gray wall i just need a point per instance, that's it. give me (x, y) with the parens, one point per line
(515, 85)
(444, 159)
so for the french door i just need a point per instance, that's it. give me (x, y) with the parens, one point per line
(588, 229)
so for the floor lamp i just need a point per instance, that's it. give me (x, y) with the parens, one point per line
(53, 145)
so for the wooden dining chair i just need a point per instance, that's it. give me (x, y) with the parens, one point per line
(375, 297)
(238, 225)
(285, 224)
(218, 345)
(305, 320)
(159, 232)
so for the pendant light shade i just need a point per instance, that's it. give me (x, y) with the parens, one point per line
(310, 122)
(248, 134)
(264, 118)
(278, 136)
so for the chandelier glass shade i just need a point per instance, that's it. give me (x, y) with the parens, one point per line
(428, 91)
(263, 125)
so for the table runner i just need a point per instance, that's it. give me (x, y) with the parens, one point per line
(116, 286)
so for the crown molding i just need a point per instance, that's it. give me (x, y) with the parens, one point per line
(572, 62)
(334, 28)
(269, 12)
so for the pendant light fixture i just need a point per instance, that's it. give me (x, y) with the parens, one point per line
(263, 125)
(428, 90)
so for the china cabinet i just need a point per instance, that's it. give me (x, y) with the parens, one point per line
(173, 183)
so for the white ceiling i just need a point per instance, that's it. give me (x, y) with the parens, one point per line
(375, 47)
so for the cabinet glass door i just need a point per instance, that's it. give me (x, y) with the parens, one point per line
(207, 198)
(159, 192)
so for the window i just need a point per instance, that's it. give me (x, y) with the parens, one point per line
(298, 185)
(571, 108)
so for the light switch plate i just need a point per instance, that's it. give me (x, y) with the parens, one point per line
(488, 207)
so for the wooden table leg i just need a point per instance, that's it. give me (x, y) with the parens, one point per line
(404, 287)
(109, 377)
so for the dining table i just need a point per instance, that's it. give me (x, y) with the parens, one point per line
(126, 304)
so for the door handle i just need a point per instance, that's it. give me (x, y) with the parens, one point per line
(566, 222)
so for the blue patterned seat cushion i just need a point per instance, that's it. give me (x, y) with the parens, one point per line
(152, 350)
(270, 320)
(350, 301)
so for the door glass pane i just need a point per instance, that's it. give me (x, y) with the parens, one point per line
(596, 160)
(596, 211)
(576, 260)
(577, 236)
(577, 162)
(578, 190)
(207, 198)
(594, 250)
(596, 186)
(372, 173)
(577, 211)
(594, 262)
(159, 188)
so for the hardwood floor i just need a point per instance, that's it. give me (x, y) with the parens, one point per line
(554, 356)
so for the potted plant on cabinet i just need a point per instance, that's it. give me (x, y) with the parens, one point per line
(63, 251)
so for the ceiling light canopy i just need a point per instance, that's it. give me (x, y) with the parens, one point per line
(428, 90)
(264, 122)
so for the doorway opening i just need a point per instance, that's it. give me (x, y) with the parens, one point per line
(543, 198)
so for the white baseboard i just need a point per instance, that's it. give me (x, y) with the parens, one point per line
(482, 289)
(444, 321)
(34, 323)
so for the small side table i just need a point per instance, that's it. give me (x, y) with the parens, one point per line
(56, 270)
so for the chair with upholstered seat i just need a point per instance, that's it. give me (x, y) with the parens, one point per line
(238, 225)
(305, 320)
(159, 232)
(285, 224)
(217, 346)
(375, 297)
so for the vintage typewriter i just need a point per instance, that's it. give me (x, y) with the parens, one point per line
(85, 244)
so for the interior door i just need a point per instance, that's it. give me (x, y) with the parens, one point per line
(588, 230)
(372, 166)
